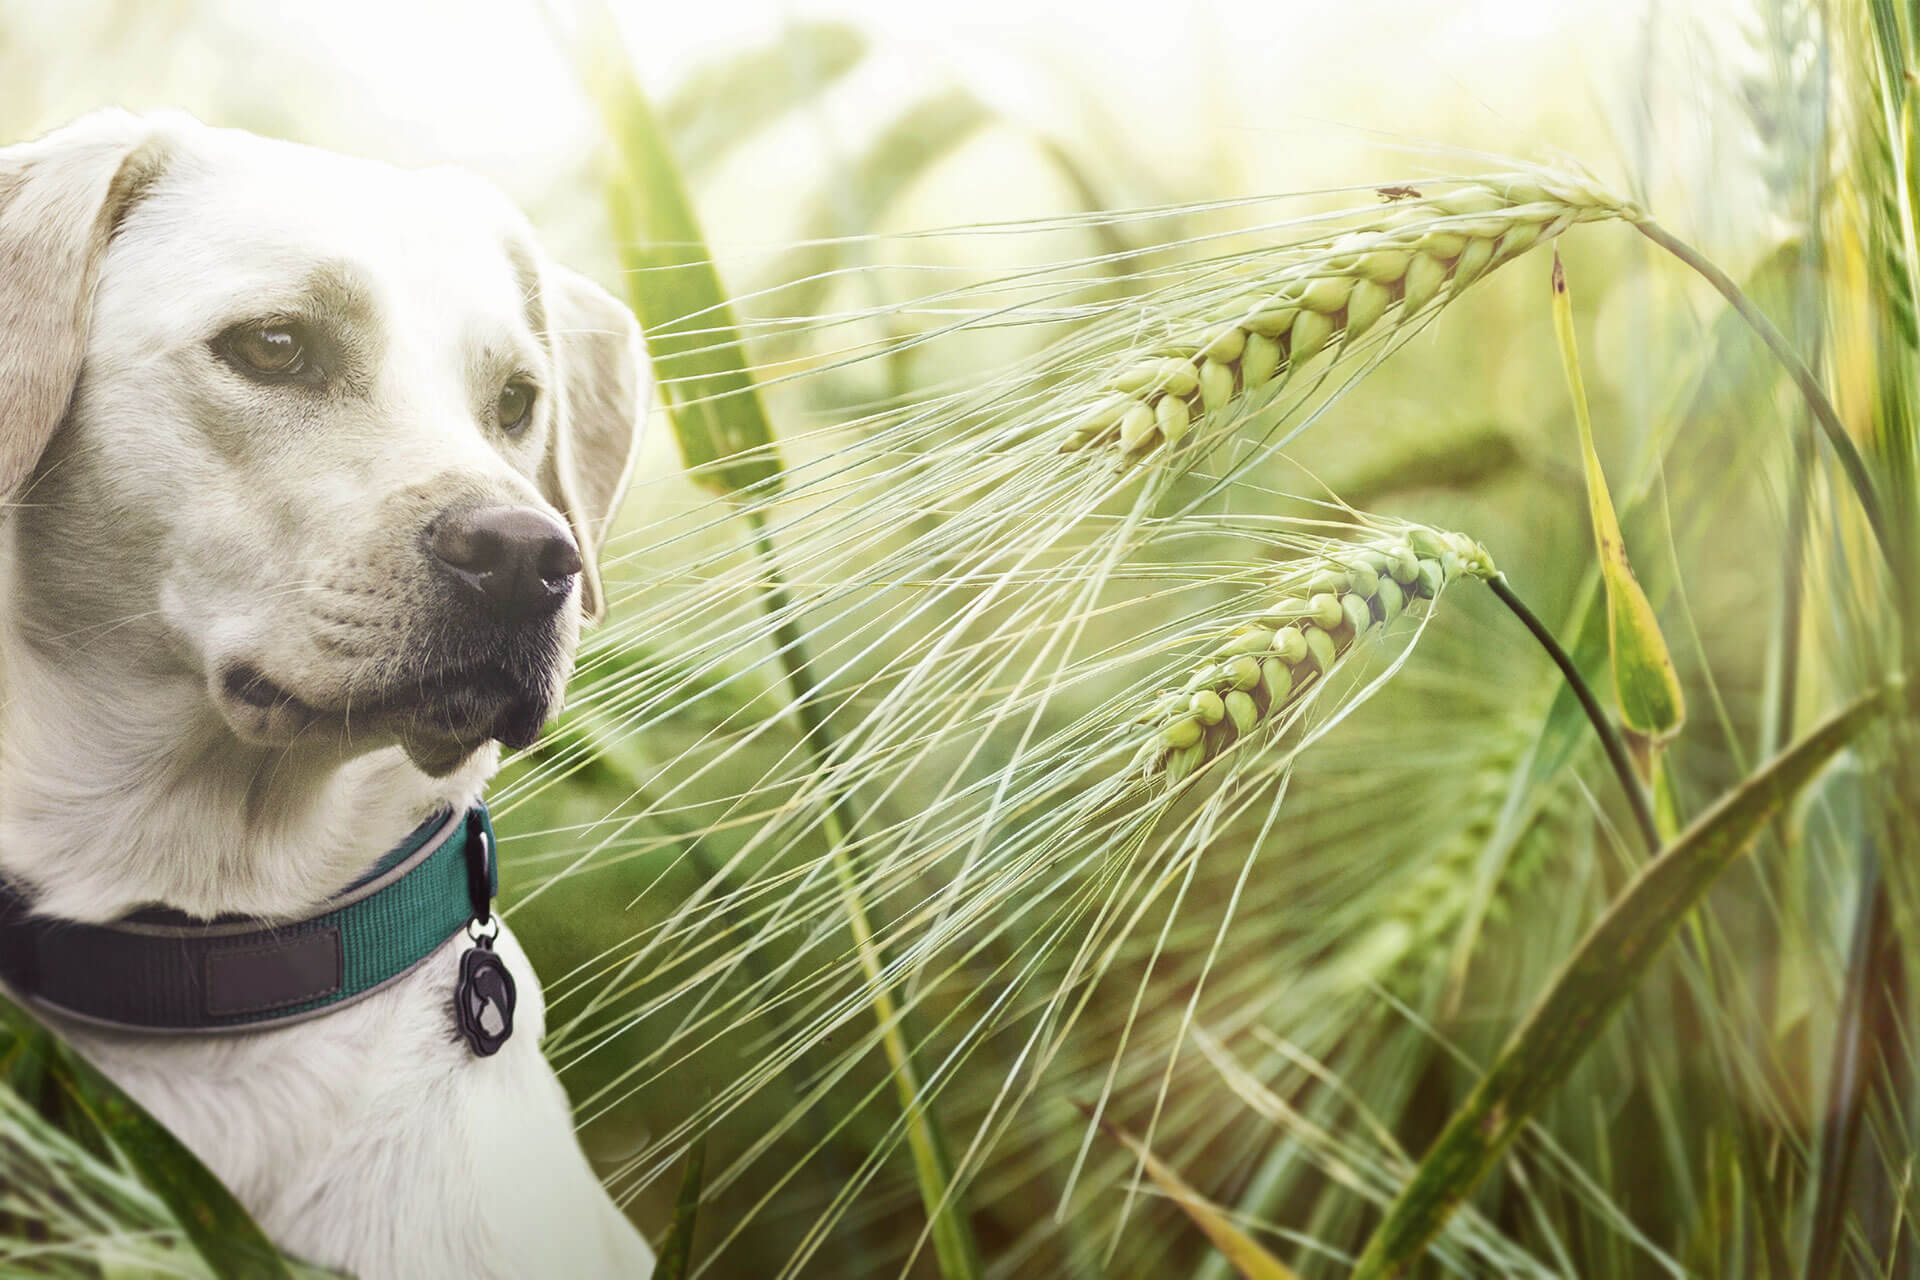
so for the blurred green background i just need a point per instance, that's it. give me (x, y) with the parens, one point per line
(850, 160)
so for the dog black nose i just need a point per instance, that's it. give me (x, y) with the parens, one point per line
(518, 561)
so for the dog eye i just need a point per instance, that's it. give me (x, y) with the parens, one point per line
(277, 352)
(515, 406)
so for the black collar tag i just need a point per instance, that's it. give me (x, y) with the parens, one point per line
(484, 997)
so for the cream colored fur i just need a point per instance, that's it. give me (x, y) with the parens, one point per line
(167, 523)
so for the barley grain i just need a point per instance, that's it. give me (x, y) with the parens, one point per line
(1388, 274)
(1268, 662)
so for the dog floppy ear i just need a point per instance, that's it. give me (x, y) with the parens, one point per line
(60, 198)
(606, 388)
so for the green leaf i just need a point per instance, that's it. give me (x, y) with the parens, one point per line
(728, 443)
(1574, 1010)
(42, 1068)
(1651, 704)
(722, 104)
(914, 142)
(1739, 384)
(674, 287)
(676, 1251)
(1235, 1245)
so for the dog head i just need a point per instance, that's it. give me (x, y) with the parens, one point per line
(331, 440)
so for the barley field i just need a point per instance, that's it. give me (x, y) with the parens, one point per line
(1248, 644)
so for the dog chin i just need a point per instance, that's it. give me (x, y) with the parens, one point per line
(438, 722)
(436, 755)
(439, 739)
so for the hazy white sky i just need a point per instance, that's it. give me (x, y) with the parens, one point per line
(481, 78)
(1209, 97)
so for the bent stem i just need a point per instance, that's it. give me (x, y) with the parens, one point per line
(1823, 411)
(1610, 739)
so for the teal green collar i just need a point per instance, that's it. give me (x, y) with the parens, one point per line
(161, 971)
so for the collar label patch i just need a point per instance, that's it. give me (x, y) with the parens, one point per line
(163, 972)
(262, 979)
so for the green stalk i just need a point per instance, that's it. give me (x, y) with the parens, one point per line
(1588, 990)
(1616, 747)
(676, 1250)
(1874, 963)
(1872, 1054)
(728, 445)
(932, 1169)
(1861, 1007)
(1824, 413)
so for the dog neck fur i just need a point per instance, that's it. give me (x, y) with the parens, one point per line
(102, 769)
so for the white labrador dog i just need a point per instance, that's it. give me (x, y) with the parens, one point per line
(304, 462)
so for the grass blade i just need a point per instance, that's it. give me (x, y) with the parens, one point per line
(39, 1065)
(1235, 1245)
(722, 105)
(1570, 1016)
(676, 1251)
(675, 289)
(1651, 705)
(727, 442)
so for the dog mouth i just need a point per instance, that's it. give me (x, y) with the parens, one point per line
(449, 709)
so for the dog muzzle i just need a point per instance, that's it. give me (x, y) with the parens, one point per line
(160, 972)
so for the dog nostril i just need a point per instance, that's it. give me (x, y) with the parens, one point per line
(515, 560)
(559, 559)
(467, 546)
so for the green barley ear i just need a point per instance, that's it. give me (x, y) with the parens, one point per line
(1317, 616)
(1412, 259)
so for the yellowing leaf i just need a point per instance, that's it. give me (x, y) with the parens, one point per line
(1651, 705)
(1235, 1245)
